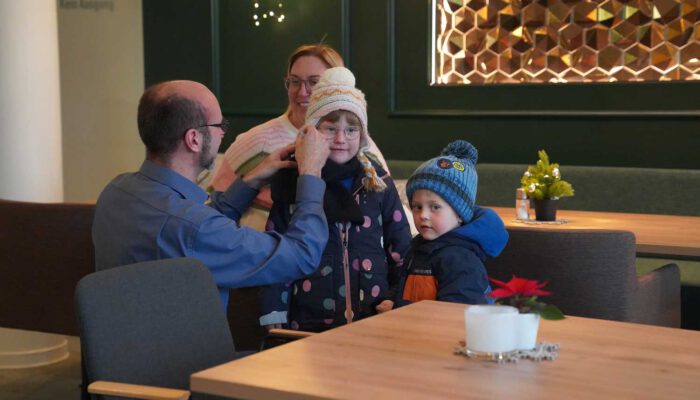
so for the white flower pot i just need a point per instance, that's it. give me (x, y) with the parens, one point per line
(528, 324)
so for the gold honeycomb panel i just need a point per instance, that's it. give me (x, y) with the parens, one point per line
(537, 41)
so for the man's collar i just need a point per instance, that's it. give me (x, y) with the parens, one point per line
(177, 182)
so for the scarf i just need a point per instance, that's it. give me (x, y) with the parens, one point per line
(338, 203)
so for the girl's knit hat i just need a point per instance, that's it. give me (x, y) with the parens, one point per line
(336, 91)
(452, 175)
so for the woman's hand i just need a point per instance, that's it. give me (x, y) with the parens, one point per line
(275, 161)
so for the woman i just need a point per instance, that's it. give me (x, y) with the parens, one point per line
(306, 64)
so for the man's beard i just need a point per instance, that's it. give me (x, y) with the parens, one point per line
(206, 160)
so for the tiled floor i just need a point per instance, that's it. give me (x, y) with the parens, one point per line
(56, 381)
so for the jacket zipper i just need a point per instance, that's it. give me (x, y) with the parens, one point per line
(344, 234)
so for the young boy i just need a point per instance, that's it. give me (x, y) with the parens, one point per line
(446, 259)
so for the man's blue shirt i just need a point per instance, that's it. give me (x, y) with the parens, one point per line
(156, 213)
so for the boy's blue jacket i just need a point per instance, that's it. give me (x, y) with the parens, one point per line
(451, 267)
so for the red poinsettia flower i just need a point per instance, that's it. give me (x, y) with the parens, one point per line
(518, 287)
(522, 294)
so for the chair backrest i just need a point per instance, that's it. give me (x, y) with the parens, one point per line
(152, 323)
(44, 251)
(591, 273)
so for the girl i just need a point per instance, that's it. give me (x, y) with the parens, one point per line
(368, 231)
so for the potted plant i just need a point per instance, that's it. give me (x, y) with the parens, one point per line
(542, 184)
(523, 294)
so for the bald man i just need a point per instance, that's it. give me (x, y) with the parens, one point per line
(160, 212)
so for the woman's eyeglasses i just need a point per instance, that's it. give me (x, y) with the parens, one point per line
(295, 83)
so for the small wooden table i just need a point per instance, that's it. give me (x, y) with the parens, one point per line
(408, 354)
(669, 236)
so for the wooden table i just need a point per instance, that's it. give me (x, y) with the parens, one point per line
(657, 235)
(408, 354)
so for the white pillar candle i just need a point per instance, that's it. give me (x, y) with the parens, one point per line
(491, 330)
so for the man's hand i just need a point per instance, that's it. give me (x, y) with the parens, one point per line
(385, 306)
(312, 150)
(275, 161)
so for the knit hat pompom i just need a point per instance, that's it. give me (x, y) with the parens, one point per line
(338, 76)
(461, 149)
(452, 175)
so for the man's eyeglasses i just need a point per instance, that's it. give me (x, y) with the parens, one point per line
(295, 83)
(223, 125)
(350, 132)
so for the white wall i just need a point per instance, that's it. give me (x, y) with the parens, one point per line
(102, 78)
(30, 104)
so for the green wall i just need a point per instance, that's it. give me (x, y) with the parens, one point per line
(386, 44)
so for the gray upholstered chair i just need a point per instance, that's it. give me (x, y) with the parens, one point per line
(592, 274)
(152, 323)
(45, 248)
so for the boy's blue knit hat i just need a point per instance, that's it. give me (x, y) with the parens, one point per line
(452, 175)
